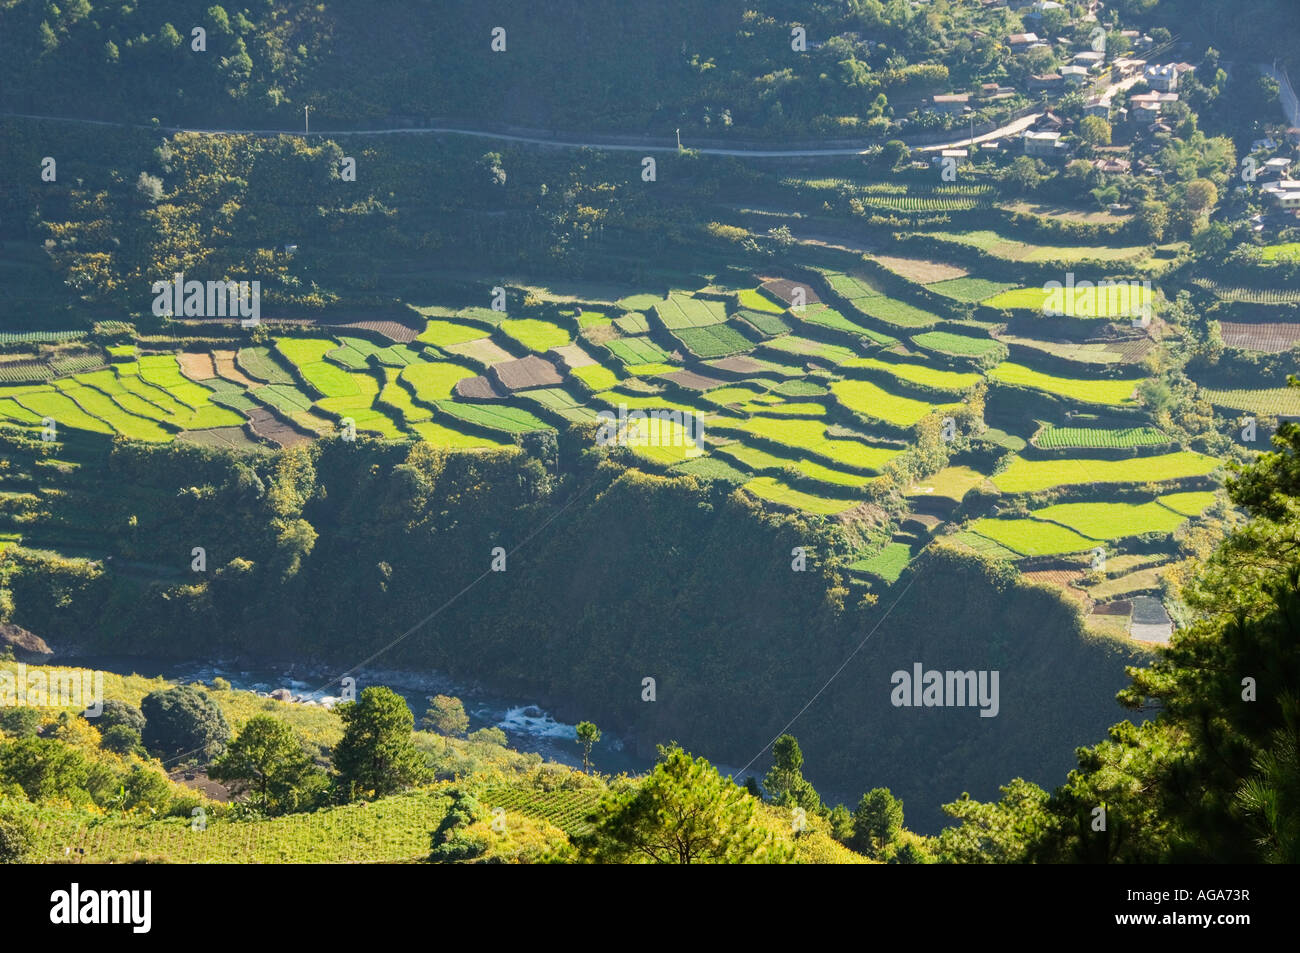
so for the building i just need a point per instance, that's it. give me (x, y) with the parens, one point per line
(1019, 42)
(1143, 113)
(1145, 107)
(1127, 67)
(1074, 76)
(951, 102)
(1046, 83)
(1277, 167)
(1097, 107)
(1039, 7)
(1285, 193)
(1089, 59)
(993, 92)
(1112, 165)
(1043, 144)
(1163, 79)
(1048, 122)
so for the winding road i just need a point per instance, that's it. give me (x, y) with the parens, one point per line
(607, 144)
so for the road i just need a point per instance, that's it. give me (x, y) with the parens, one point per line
(607, 144)
(1290, 106)
(604, 145)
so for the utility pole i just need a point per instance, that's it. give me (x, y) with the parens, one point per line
(304, 120)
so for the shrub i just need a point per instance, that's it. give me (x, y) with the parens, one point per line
(184, 723)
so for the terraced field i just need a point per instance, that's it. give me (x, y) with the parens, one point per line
(1275, 401)
(1029, 476)
(805, 408)
(1106, 391)
(1057, 438)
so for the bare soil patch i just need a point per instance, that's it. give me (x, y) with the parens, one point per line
(921, 270)
(197, 366)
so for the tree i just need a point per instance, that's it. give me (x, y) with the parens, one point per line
(1022, 174)
(1201, 194)
(16, 838)
(1001, 832)
(452, 840)
(1153, 219)
(150, 188)
(877, 820)
(1155, 395)
(168, 37)
(1095, 131)
(122, 739)
(588, 735)
(116, 712)
(376, 756)
(20, 722)
(446, 715)
(1213, 777)
(270, 759)
(785, 781)
(683, 812)
(45, 769)
(893, 152)
(49, 42)
(183, 723)
(1211, 241)
(493, 172)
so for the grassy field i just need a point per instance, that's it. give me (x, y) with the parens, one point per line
(900, 314)
(888, 563)
(961, 345)
(685, 311)
(1104, 304)
(774, 491)
(767, 325)
(441, 333)
(500, 417)
(864, 397)
(969, 290)
(1030, 537)
(636, 350)
(1012, 249)
(1105, 392)
(1113, 520)
(851, 287)
(260, 364)
(535, 335)
(1053, 437)
(434, 382)
(810, 436)
(805, 347)
(1030, 476)
(1287, 251)
(951, 382)
(753, 299)
(1274, 401)
(717, 340)
(950, 483)
(1191, 503)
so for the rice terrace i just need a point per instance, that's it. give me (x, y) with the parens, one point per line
(446, 454)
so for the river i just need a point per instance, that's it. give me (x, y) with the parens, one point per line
(528, 727)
